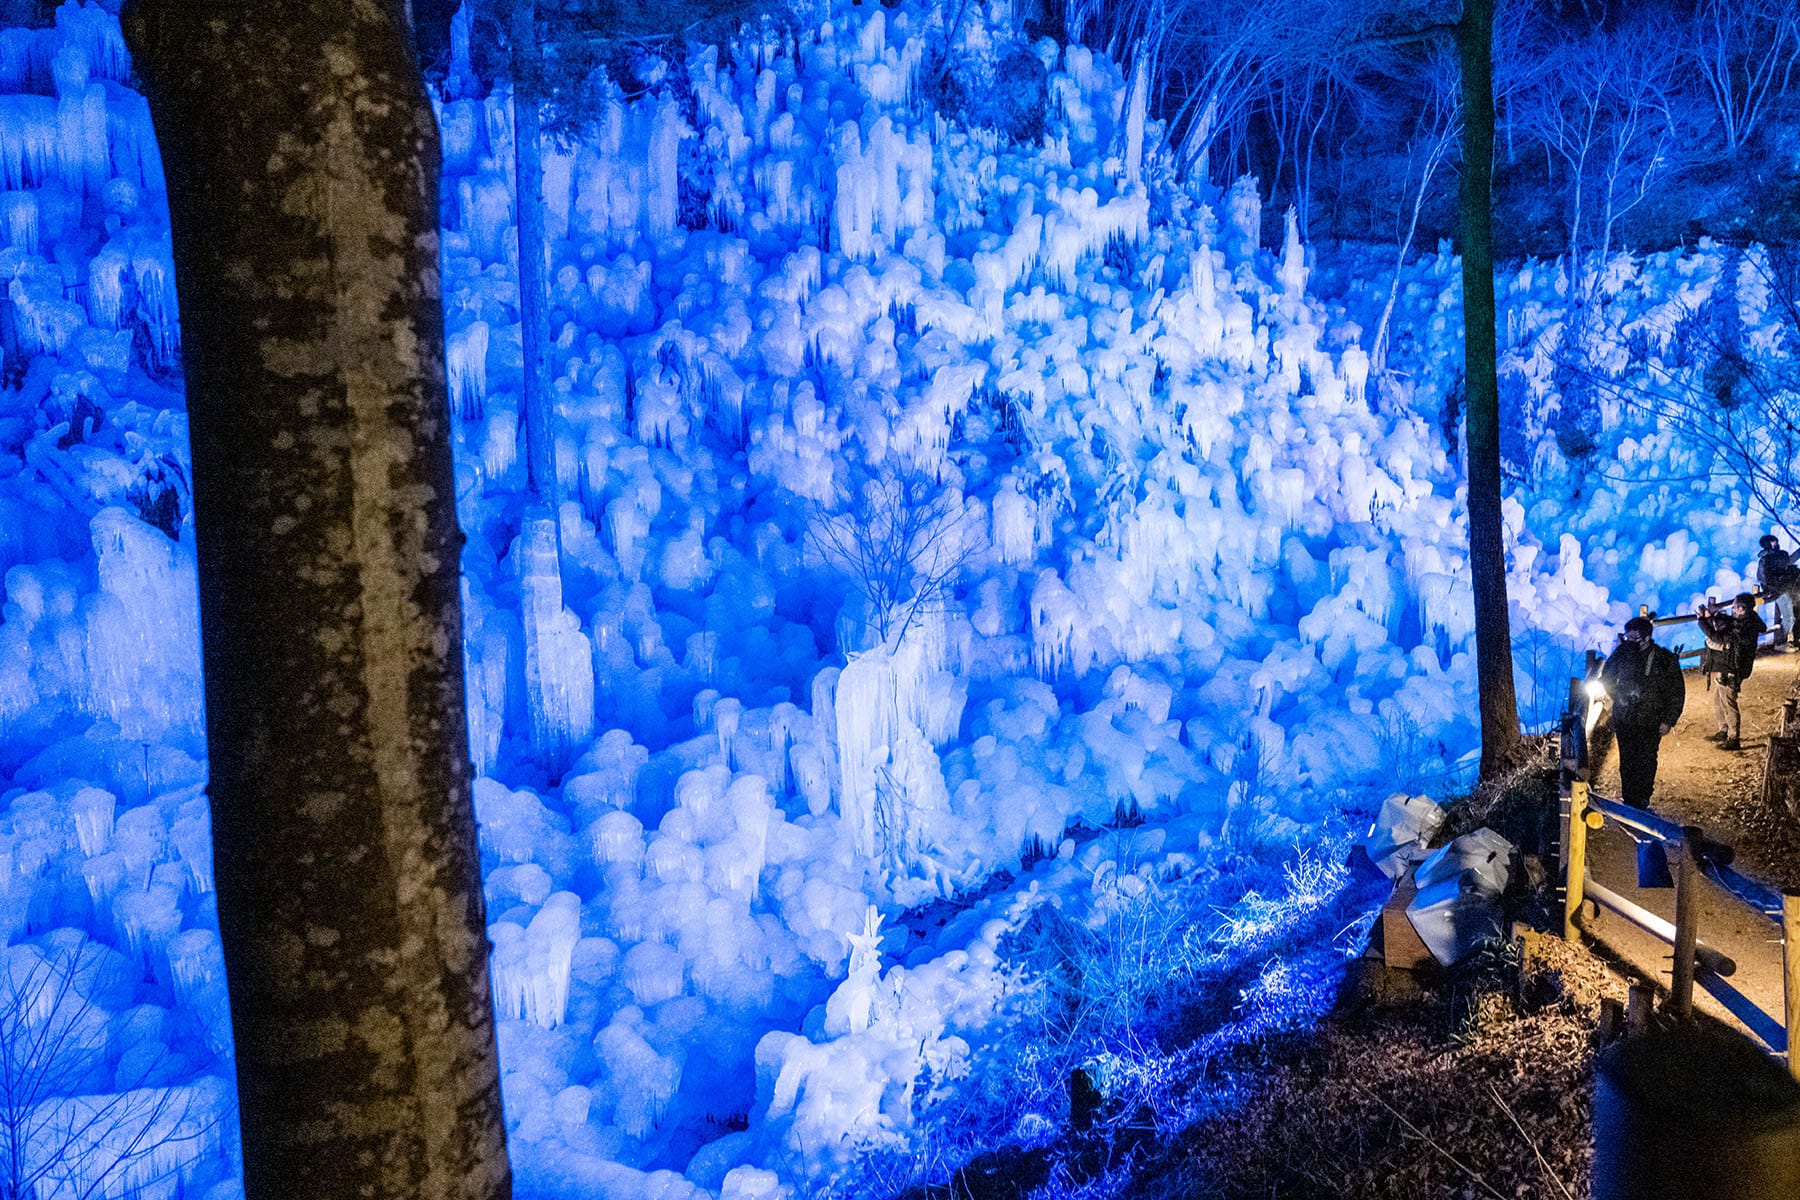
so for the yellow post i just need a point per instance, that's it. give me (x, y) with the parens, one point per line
(1790, 977)
(1575, 856)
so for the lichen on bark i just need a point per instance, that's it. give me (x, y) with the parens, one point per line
(301, 157)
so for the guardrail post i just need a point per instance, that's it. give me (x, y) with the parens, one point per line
(1790, 977)
(1575, 856)
(1639, 1002)
(1687, 923)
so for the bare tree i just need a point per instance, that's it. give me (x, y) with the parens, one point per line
(1740, 404)
(1745, 53)
(1217, 67)
(1434, 140)
(1602, 106)
(902, 539)
(69, 1127)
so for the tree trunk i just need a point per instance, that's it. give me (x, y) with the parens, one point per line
(1378, 355)
(302, 163)
(1487, 544)
(528, 190)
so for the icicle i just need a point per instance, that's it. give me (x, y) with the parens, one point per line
(69, 70)
(147, 919)
(858, 194)
(1137, 110)
(670, 859)
(727, 714)
(460, 79)
(196, 967)
(94, 31)
(45, 322)
(93, 811)
(19, 212)
(154, 273)
(1243, 221)
(466, 352)
(28, 140)
(868, 725)
(192, 836)
(663, 202)
(1292, 272)
(106, 284)
(559, 664)
(643, 1082)
(105, 876)
(133, 141)
(1014, 522)
(652, 972)
(616, 837)
(1056, 620)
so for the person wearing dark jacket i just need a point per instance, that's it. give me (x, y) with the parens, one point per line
(1730, 655)
(1777, 579)
(1644, 681)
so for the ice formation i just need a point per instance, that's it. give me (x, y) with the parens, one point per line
(1198, 578)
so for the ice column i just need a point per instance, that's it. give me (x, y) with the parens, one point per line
(1243, 221)
(559, 666)
(868, 726)
(531, 969)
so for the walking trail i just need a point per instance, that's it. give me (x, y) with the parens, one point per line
(1720, 791)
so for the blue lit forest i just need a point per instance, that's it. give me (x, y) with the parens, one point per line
(1013, 532)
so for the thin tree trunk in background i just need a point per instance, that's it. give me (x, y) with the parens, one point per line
(1487, 544)
(301, 157)
(528, 189)
(1383, 327)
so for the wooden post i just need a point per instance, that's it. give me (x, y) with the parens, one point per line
(1771, 777)
(1788, 712)
(1790, 977)
(1687, 923)
(1575, 867)
(1639, 1002)
(1565, 770)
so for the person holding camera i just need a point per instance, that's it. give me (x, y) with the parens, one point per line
(1644, 681)
(1778, 579)
(1729, 657)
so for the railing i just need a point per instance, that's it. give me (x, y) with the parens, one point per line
(1761, 598)
(1692, 856)
(1692, 960)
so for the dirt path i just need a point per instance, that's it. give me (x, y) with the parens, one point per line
(1699, 784)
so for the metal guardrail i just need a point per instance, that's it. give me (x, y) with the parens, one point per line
(1693, 855)
(1693, 962)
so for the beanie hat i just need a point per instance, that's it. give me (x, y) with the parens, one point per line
(1643, 625)
(1769, 541)
(1746, 599)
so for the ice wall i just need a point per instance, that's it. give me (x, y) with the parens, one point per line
(1207, 573)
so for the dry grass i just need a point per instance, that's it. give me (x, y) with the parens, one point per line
(1478, 1089)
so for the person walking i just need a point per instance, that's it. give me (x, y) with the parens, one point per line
(1730, 656)
(1777, 578)
(1644, 681)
